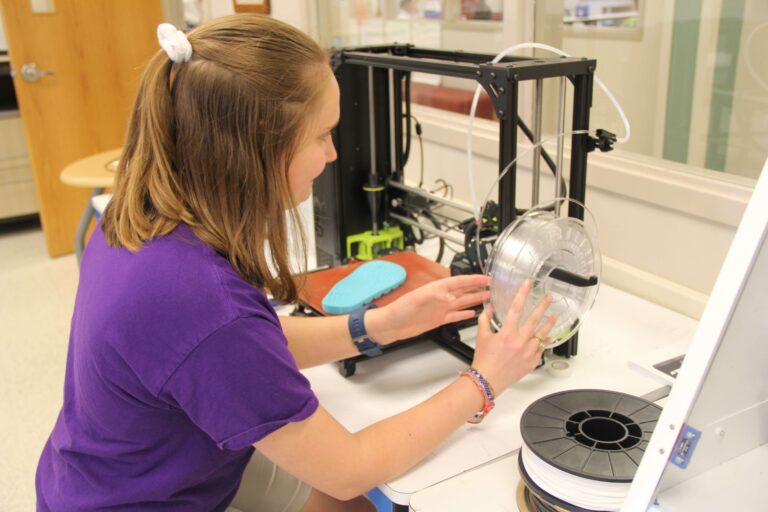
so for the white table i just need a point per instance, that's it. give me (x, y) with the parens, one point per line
(490, 488)
(619, 328)
(493, 488)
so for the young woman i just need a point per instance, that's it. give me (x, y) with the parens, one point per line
(178, 366)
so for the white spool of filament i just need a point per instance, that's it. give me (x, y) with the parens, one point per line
(581, 448)
(579, 491)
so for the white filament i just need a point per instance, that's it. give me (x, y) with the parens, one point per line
(525, 152)
(575, 490)
(473, 109)
(478, 216)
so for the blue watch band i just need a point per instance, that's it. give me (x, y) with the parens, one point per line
(359, 335)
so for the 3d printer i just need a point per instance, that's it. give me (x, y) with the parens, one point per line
(362, 206)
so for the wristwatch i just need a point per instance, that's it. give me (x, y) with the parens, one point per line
(359, 335)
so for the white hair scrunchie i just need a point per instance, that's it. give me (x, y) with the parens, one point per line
(174, 42)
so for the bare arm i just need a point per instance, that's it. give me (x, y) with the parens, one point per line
(319, 340)
(324, 454)
(321, 452)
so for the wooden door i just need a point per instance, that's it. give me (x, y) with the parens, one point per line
(96, 50)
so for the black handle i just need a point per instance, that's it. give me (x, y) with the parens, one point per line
(569, 277)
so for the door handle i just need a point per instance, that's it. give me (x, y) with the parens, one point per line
(31, 73)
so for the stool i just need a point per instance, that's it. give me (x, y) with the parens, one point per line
(96, 172)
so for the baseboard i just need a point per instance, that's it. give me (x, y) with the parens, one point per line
(653, 288)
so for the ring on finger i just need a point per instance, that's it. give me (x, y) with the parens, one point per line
(542, 345)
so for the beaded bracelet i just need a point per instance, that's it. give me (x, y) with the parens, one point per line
(487, 391)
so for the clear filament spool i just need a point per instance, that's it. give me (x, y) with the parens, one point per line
(559, 254)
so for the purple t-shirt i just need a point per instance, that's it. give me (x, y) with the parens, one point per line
(176, 366)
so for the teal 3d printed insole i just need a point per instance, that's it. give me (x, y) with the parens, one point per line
(368, 281)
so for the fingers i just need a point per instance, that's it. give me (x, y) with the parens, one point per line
(483, 325)
(540, 339)
(466, 291)
(537, 314)
(528, 329)
(458, 316)
(516, 309)
(471, 299)
(548, 325)
(462, 284)
(536, 348)
(454, 288)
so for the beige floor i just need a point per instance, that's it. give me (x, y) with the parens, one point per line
(36, 298)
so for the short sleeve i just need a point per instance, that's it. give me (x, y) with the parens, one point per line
(241, 383)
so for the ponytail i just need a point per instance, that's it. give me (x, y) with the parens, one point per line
(211, 148)
(146, 201)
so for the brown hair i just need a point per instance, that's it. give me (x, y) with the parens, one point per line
(212, 147)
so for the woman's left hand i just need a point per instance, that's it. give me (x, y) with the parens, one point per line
(425, 308)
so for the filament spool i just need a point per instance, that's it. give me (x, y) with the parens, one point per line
(581, 448)
(528, 501)
(559, 254)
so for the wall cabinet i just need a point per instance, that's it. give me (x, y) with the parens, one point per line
(17, 189)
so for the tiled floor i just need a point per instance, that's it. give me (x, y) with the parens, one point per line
(36, 298)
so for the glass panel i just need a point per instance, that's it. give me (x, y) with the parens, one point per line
(481, 10)
(601, 13)
(423, 23)
(431, 10)
(419, 22)
(688, 74)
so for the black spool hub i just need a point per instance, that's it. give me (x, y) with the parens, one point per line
(541, 500)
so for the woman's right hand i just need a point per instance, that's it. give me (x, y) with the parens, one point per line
(514, 351)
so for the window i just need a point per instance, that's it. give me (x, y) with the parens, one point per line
(688, 74)
(423, 23)
(601, 13)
